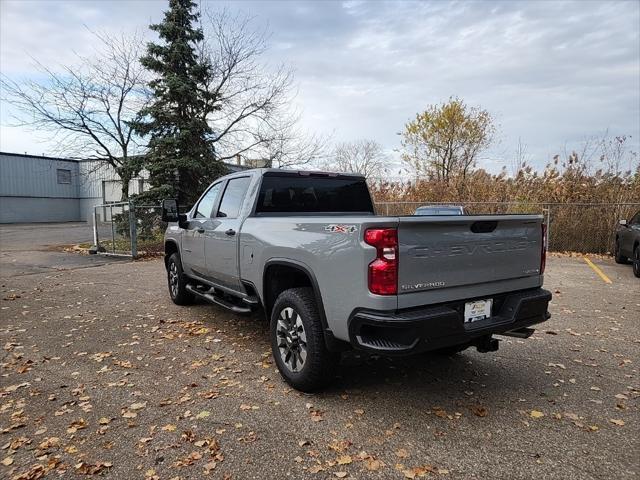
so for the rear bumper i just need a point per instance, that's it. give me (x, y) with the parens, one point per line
(430, 328)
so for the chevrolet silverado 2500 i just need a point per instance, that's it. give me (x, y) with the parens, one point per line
(308, 249)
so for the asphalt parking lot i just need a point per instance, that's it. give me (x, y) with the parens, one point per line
(101, 374)
(38, 248)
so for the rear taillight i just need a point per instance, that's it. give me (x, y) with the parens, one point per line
(543, 254)
(383, 271)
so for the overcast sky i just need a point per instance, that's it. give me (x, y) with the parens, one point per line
(551, 73)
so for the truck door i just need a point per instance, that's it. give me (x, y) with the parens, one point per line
(193, 261)
(221, 241)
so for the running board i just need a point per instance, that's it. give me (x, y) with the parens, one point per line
(217, 300)
(251, 301)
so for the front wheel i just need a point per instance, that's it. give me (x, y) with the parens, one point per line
(177, 281)
(297, 341)
(636, 261)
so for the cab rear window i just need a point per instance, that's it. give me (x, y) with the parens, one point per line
(313, 194)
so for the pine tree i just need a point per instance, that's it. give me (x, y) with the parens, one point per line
(181, 159)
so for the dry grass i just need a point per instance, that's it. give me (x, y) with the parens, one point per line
(585, 207)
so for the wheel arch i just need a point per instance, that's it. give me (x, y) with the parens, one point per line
(273, 283)
(282, 274)
(170, 247)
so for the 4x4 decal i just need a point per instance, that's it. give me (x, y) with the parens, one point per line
(341, 228)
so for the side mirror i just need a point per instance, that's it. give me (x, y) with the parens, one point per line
(170, 210)
(623, 223)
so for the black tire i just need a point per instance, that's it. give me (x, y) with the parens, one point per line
(295, 307)
(617, 256)
(178, 292)
(636, 261)
(452, 350)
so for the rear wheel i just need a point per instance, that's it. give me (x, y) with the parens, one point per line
(297, 341)
(618, 257)
(177, 281)
(636, 261)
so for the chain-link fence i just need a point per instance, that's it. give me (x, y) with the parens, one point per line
(572, 227)
(126, 229)
(137, 230)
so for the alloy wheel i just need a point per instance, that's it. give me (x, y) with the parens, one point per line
(292, 339)
(173, 279)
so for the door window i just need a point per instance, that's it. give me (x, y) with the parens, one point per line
(233, 196)
(205, 207)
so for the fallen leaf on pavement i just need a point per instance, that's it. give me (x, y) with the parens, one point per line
(77, 425)
(374, 465)
(479, 411)
(92, 469)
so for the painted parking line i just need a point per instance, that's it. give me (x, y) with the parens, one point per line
(595, 268)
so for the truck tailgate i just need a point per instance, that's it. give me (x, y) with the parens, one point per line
(439, 253)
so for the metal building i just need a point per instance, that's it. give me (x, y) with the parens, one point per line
(38, 189)
(47, 189)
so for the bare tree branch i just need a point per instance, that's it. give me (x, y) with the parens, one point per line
(88, 108)
(364, 156)
(251, 102)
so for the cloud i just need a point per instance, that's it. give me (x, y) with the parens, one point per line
(552, 73)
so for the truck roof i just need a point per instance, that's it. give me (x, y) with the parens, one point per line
(263, 171)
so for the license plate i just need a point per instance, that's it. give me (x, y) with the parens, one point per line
(477, 310)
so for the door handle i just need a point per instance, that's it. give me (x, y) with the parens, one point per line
(200, 230)
(231, 232)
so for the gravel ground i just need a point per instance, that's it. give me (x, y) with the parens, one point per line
(102, 374)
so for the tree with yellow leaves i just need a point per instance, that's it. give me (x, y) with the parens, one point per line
(444, 141)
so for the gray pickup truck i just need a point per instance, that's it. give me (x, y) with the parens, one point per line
(308, 249)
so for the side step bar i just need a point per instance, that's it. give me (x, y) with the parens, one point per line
(251, 301)
(217, 300)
